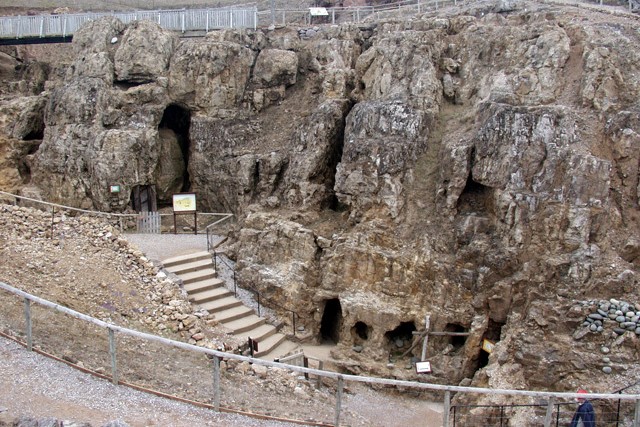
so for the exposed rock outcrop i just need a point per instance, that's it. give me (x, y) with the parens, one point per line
(479, 166)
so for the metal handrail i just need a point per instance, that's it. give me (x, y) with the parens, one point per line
(40, 26)
(218, 355)
(210, 226)
(255, 291)
(119, 216)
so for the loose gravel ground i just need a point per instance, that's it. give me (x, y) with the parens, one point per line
(36, 386)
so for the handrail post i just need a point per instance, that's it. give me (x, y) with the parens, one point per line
(618, 412)
(339, 400)
(112, 352)
(258, 293)
(27, 318)
(557, 415)
(319, 382)
(235, 284)
(293, 315)
(636, 419)
(501, 415)
(216, 383)
(549, 414)
(446, 409)
(454, 415)
(53, 213)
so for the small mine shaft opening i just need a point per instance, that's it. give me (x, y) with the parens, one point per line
(457, 341)
(401, 338)
(360, 332)
(494, 329)
(174, 130)
(475, 198)
(331, 321)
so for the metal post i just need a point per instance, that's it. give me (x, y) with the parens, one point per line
(446, 409)
(549, 414)
(618, 412)
(333, 15)
(112, 352)
(293, 315)
(427, 325)
(319, 382)
(53, 213)
(636, 419)
(27, 318)
(235, 284)
(501, 416)
(557, 415)
(216, 383)
(258, 293)
(339, 400)
(273, 12)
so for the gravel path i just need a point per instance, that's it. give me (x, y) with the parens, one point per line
(158, 247)
(38, 387)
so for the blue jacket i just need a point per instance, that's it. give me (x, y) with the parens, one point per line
(584, 413)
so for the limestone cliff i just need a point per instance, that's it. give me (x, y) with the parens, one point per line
(479, 166)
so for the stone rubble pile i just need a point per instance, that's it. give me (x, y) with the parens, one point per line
(164, 306)
(622, 316)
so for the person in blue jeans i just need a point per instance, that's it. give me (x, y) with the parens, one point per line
(584, 416)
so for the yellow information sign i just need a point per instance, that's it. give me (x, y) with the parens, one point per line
(488, 345)
(184, 202)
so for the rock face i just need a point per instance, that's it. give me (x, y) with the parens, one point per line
(479, 167)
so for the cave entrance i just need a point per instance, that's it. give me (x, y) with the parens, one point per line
(172, 173)
(457, 341)
(494, 329)
(475, 198)
(401, 338)
(331, 321)
(143, 198)
(360, 332)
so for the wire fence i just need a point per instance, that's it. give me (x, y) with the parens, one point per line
(221, 380)
(199, 222)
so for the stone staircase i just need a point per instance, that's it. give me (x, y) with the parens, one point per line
(208, 292)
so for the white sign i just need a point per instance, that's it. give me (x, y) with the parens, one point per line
(318, 11)
(423, 367)
(184, 202)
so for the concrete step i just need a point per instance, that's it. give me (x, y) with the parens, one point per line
(244, 324)
(259, 333)
(203, 285)
(267, 345)
(209, 295)
(285, 348)
(196, 276)
(186, 258)
(225, 316)
(222, 304)
(189, 267)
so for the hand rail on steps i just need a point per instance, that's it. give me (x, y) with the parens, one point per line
(259, 296)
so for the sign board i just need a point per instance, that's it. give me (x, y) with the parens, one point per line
(113, 189)
(184, 202)
(488, 345)
(318, 11)
(423, 367)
